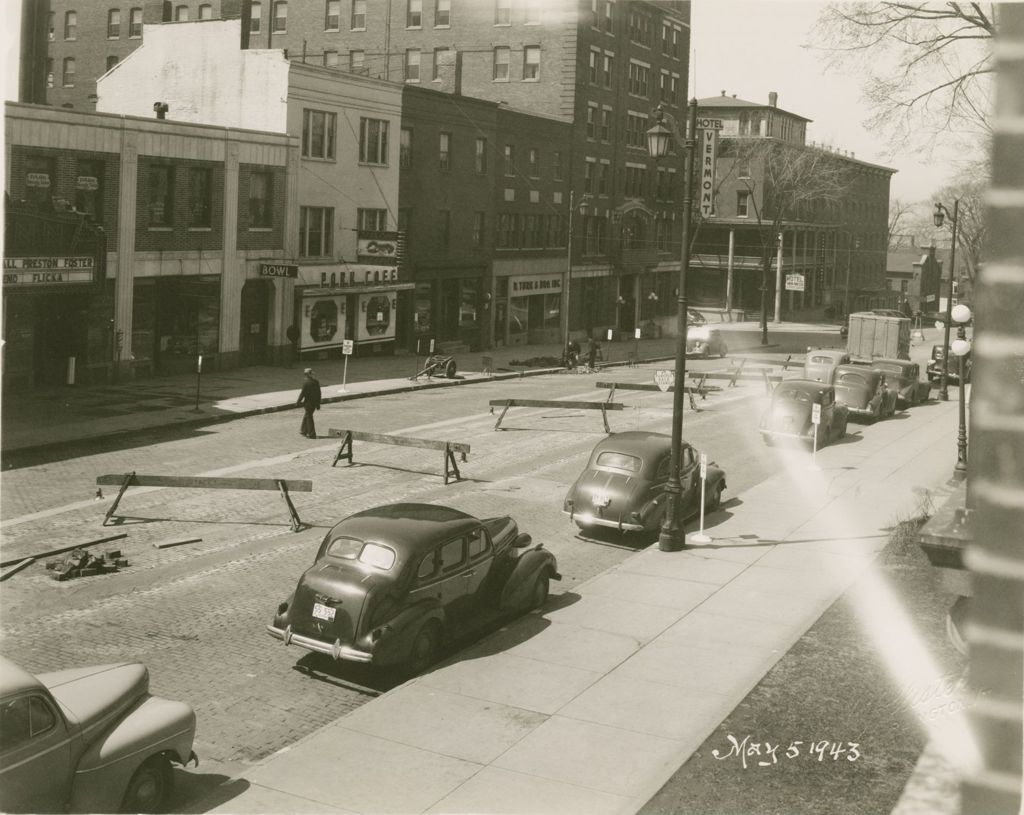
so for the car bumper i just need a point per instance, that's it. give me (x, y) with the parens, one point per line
(586, 519)
(332, 649)
(781, 434)
(866, 411)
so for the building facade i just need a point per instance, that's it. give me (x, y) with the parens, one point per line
(165, 216)
(914, 275)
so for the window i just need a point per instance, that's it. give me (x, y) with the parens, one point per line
(531, 12)
(501, 64)
(444, 228)
(39, 179)
(438, 62)
(88, 189)
(332, 15)
(206, 12)
(589, 171)
(412, 65)
(113, 24)
(318, 132)
(200, 185)
(24, 718)
(743, 168)
(453, 554)
(534, 162)
(608, 16)
(405, 148)
(261, 188)
(49, 72)
(181, 14)
(603, 174)
(414, 14)
(135, 23)
(160, 203)
(479, 225)
(510, 160)
(742, 199)
(280, 17)
(371, 220)
(609, 61)
(480, 157)
(591, 121)
(373, 141)
(502, 12)
(331, 59)
(444, 151)
(606, 125)
(50, 25)
(595, 58)
(68, 76)
(636, 130)
(443, 13)
(640, 28)
(634, 181)
(357, 62)
(255, 16)
(531, 62)
(316, 231)
(111, 61)
(358, 21)
(70, 25)
(639, 76)
(556, 165)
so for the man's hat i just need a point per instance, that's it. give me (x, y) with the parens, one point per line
(308, 372)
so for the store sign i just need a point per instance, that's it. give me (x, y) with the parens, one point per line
(87, 182)
(322, 322)
(708, 160)
(527, 286)
(37, 180)
(377, 247)
(278, 270)
(355, 275)
(48, 271)
(376, 320)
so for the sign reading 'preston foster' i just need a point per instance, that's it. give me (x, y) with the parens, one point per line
(278, 270)
(41, 271)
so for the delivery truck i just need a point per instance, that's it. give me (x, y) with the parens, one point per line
(874, 335)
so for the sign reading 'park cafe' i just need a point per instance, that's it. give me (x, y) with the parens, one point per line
(48, 271)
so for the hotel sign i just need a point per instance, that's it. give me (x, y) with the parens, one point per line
(42, 271)
(708, 159)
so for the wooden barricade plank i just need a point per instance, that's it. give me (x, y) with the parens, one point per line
(449, 448)
(505, 404)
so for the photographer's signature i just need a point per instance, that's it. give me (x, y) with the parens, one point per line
(766, 754)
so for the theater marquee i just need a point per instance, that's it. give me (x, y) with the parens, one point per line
(44, 271)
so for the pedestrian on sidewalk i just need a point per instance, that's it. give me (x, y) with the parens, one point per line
(309, 400)
(592, 350)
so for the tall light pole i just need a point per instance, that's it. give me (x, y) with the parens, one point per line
(659, 137)
(853, 244)
(938, 217)
(583, 206)
(961, 314)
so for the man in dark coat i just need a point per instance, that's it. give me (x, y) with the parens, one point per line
(309, 399)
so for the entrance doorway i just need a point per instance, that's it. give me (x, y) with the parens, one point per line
(252, 344)
(60, 323)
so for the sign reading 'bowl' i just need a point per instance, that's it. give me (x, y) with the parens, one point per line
(664, 380)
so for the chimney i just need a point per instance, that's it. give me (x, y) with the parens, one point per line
(449, 72)
(161, 109)
(723, 93)
(773, 99)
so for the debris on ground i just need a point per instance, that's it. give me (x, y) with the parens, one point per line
(80, 563)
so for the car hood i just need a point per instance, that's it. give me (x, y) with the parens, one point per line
(95, 697)
(337, 587)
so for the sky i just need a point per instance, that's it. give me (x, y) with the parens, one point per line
(747, 48)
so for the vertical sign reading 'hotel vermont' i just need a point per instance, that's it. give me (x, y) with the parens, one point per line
(708, 155)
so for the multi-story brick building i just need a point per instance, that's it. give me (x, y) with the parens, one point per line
(913, 273)
(821, 213)
(178, 219)
(598, 65)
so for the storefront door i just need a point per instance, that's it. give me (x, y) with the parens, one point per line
(255, 308)
(59, 335)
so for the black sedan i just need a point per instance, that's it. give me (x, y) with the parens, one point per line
(790, 414)
(389, 584)
(623, 484)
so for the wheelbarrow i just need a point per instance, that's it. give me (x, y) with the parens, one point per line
(438, 365)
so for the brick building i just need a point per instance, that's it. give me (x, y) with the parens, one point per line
(173, 222)
(833, 237)
(914, 274)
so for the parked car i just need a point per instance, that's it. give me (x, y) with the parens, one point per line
(863, 390)
(623, 485)
(705, 342)
(821, 363)
(89, 740)
(694, 317)
(388, 585)
(903, 377)
(934, 369)
(790, 413)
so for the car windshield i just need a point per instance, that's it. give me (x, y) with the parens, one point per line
(823, 360)
(890, 369)
(793, 395)
(368, 552)
(620, 461)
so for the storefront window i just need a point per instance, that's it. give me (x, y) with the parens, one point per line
(552, 310)
(39, 177)
(518, 311)
(467, 306)
(143, 321)
(423, 313)
(188, 318)
(89, 189)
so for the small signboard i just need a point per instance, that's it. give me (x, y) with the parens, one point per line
(794, 282)
(278, 270)
(815, 414)
(703, 465)
(347, 346)
(636, 333)
(664, 379)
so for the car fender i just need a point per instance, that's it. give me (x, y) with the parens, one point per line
(516, 591)
(153, 727)
(400, 631)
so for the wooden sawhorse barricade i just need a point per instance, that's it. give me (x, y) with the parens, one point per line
(505, 404)
(282, 485)
(450, 448)
(697, 386)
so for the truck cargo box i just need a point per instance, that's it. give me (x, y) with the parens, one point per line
(873, 335)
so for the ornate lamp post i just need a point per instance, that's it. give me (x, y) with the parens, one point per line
(583, 206)
(961, 315)
(659, 138)
(938, 217)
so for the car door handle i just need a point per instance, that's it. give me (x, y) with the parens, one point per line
(470, 573)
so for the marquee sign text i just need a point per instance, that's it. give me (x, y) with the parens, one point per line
(48, 270)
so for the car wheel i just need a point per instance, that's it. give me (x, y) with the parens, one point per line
(539, 592)
(715, 499)
(150, 787)
(725, 350)
(424, 649)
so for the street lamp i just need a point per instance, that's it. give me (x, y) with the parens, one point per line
(938, 217)
(961, 315)
(659, 137)
(583, 207)
(853, 244)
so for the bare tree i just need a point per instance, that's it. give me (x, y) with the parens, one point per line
(927, 67)
(971, 232)
(898, 210)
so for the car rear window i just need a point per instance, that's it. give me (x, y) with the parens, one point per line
(620, 461)
(368, 552)
(854, 379)
(821, 359)
(793, 395)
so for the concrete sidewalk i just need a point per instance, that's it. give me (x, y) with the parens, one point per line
(590, 705)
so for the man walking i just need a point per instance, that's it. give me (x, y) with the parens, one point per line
(309, 399)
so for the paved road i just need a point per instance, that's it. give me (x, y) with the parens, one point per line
(195, 614)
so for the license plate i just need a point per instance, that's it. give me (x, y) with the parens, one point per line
(600, 500)
(322, 612)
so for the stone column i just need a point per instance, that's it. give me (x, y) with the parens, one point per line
(232, 270)
(124, 265)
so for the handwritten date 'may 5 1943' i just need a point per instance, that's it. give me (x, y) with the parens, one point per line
(767, 754)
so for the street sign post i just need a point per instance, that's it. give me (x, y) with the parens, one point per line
(199, 379)
(664, 379)
(700, 537)
(816, 422)
(347, 346)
